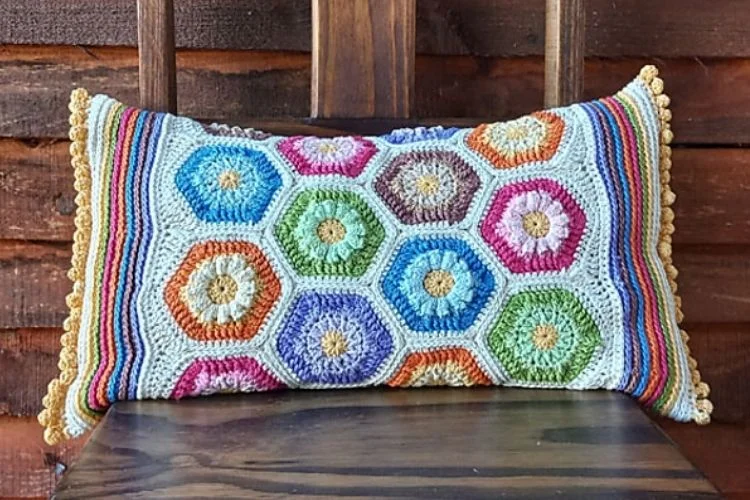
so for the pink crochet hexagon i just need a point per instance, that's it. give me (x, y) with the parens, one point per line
(347, 156)
(534, 226)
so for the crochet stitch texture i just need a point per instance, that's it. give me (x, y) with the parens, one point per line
(532, 253)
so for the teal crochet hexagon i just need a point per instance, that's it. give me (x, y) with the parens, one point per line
(329, 232)
(544, 336)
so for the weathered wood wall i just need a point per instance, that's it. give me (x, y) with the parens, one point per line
(248, 61)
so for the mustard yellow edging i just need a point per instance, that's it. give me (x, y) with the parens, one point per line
(54, 402)
(650, 76)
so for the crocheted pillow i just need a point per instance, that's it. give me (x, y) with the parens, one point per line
(533, 253)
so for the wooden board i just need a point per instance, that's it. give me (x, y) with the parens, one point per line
(620, 28)
(237, 88)
(382, 444)
(564, 49)
(719, 450)
(362, 58)
(37, 196)
(157, 72)
(28, 466)
(28, 361)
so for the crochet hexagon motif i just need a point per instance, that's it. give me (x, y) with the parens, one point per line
(437, 284)
(228, 183)
(222, 290)
(532, 138)
(206, 376)
(534, 226)
(327, 232)
(428, 186)
(544, 336)
(333, 339)
(452, 366)
(346, 156)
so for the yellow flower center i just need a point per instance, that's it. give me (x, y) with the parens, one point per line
(229, 180)
(439, 283)
(222, 289)
(333, 343)
(428, 184)
(545, 337)
(331, 231)
(516, 132)
(327, 147)
(536, 224)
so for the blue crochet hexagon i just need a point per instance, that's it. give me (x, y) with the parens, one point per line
(333, 339)
(228, 183)
(438, 284)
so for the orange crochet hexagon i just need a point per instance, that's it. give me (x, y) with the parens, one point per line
(222, 290)
(454, 366)
(531, 138)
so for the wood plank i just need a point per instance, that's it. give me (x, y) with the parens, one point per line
(564, 47)
(35, 283)
(157, 73)
(28, 466)
(36, 193)
(713, 283)
(362, 58)
(381, 444)
(215, 85)
(723, 354)
(620, 28)
(37, 199)
(719, 450)
(239, 88)
(28, 361)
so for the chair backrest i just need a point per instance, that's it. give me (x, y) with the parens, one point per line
(363, 54)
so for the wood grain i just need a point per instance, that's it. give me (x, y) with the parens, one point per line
(37, 196)
(564, 48)
(619, 28)
(239, 88)
(719, 450)
(423, 443)
(362, 58)
(157, 73)
(28, 466)
(28, 361)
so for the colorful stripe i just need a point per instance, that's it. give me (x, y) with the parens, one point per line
(123, 241)
(626, 136)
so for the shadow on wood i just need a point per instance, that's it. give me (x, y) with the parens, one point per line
(419, 443)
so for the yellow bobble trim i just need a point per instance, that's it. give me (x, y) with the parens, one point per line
(54, 402)
(649, 76)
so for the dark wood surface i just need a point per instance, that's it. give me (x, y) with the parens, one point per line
(424, 443)
(564, 48)
(709, 100)
(362, 58)
(615, 28)
(157, 71)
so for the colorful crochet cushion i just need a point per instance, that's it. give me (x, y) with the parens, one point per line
(532, 253)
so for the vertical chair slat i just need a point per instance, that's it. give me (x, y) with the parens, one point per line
(156, 55)
(363, 58)
(564, 52)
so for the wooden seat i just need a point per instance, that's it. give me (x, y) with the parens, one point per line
(384, 443)
(423, 443)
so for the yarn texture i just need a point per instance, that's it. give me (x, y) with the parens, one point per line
(531, 253)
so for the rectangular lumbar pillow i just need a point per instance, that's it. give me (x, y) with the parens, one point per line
(531, 253)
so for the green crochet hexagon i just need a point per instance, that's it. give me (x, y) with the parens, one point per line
(544, 336)
(328, 232)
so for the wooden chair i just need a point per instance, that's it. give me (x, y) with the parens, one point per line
(427, 443)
